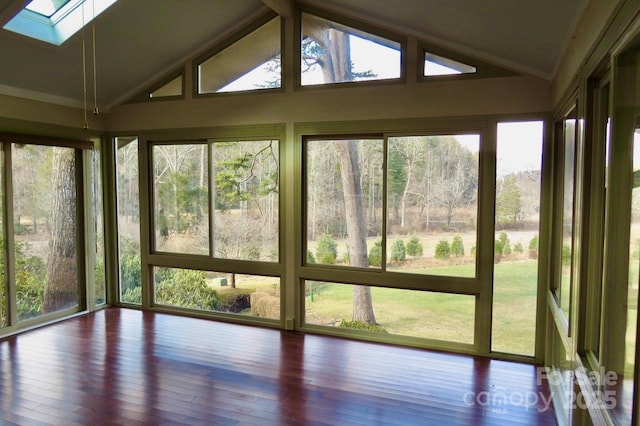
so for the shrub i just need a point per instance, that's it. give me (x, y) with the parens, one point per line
(518, 247)
(186, 288)
(233, 299)
(502, 245)
(414, 247)
(326, 249)
(443, 250)
(265, 302)
(533, 244)
(310, 258)
(375, 254)
(398, 251)
(361, 325)
(457, 247)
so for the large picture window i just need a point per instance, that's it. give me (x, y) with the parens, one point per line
(429, 209)
(218, 199)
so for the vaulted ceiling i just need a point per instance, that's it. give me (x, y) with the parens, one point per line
(138, 41)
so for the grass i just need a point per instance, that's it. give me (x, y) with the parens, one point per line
(442, 316)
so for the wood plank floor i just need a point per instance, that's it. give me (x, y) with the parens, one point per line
(128, 367)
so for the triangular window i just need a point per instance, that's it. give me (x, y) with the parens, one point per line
(249, 62)
(332, 52)
(439, 65)
(172, 88)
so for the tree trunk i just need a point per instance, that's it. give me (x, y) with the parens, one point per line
(335, 62)
(61, 285)
(356, 230)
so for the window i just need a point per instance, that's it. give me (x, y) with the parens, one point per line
(382, 212)
(46, 227)
(129, 250)
(181, 207)
(97, 256)
(331, 52)
(253, 295)
(173, 88)
(432, 204)
(251, 62)
(218, 199)
(439, 65)
(397, 311)
(55, 21)
(567, 132)
(517, 219)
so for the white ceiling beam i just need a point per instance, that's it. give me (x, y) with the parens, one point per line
(284, 8)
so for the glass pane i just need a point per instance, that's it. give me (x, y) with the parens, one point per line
(44, 200)
(246, 198)
(181, 194)
(432, 204)
(128, 219)
(251, 63)
(335, 53)
(564, 291)
(251, 295)
(344, 202)
(402, 312)
(439, 65)
(46, 7)
(98, 225)
(4, 313)
(172, 88)
(515, 281)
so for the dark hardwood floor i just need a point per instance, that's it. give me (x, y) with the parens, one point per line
(128, 367)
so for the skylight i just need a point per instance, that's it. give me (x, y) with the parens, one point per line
(55, 21)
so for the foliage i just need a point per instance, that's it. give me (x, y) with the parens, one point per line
(179, 201)
(443, 250)
(361, 325)
(518, 247)
(242, 178)
(30, 280)
(326, 249)
(502, 245)
(375, 254)
(457, 247)
(186, 288)
(130, 278)
(398, 250)
(508, 201)
(310, 258)
(265, 302)
(566, 255)
(414, 247)
(346, 258)
(533, 244)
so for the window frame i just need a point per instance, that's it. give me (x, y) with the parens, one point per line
(228, 42)
(353, 23)
(483, 68)
(480, 286)
(84, 233)
(151, 258)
